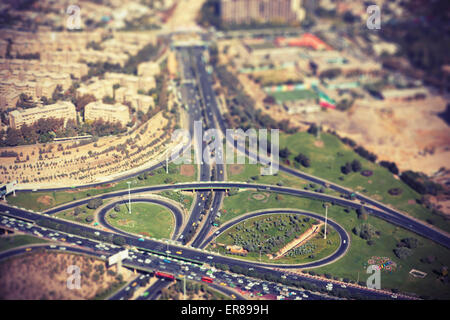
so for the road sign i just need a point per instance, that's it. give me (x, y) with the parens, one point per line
(118, 257)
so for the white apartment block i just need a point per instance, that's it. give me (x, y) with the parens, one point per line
(60, 110)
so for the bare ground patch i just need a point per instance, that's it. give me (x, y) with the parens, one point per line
(187, 170)
(42, 275)
(318, 143)
(236, 169)
(46, 200)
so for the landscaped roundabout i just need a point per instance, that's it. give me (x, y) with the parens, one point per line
(281, 237)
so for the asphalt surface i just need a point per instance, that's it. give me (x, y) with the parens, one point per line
(171, 258)
(198, 96)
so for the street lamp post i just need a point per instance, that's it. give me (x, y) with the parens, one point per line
(129, 197)
(326, 218)
(260, 247)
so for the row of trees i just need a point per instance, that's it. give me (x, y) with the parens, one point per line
(45, 130)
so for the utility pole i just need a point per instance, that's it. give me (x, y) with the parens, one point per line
(129, 197)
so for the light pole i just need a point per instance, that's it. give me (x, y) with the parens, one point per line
(129, 197)
(326, 218)
(260, 247)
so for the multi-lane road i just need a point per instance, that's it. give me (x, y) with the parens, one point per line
(199, 98)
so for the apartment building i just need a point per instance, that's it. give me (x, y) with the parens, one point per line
(108, 112)
(60, 110)
(246, 11)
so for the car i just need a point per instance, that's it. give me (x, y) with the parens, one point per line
(394, 296)
(233, 296)
(141, 239)
(305, 295)
(223, 284)
(343, 286)
(52, 246)
(209, 257)
(28, 249)
(179, 252)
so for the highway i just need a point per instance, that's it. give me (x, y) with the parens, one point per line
(199, 97)
(397, 219)
(138, 260)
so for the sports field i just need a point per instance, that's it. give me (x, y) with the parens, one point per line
(294, 95)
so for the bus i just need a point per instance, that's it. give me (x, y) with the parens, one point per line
(207, 279)
(164, 275)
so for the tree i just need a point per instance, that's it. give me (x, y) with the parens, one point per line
(303, 160)
(13, 137)
(362, 213)
(403, 252)
(313, 129)
(95, 203)
(119, 241)
(356, 165)
(285, 153)
(347, 168)
(82, 101)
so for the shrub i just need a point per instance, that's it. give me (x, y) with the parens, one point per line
(365, 231)
(403, 252)
(95, 203)
(366, 173)
(395, 191)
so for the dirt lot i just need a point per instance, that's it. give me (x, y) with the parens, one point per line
(43, 276)
(187, 170)
(236, 168)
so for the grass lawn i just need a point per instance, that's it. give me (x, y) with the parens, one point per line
(80, 217)
(330, 154)
(184, 198)
(40, 201)
(259, 230)
(10, 242)
(353, 264)
(244, 202)
(251, 173)
(146, 219)
(294, 95)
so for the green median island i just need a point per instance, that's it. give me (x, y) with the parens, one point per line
(43, 200)
(278, 238)
(146, 219)
(14, 241)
